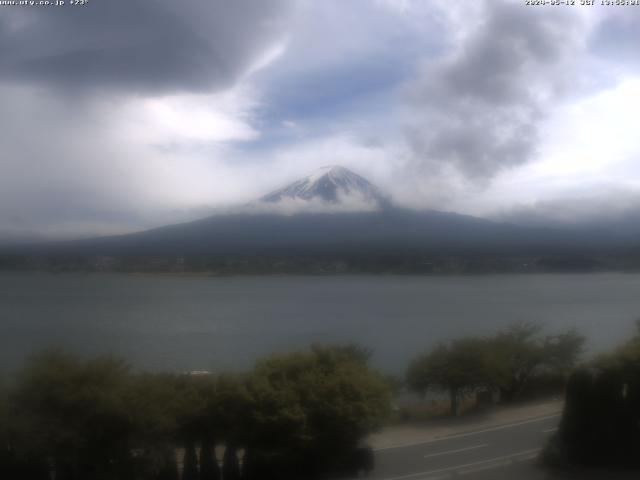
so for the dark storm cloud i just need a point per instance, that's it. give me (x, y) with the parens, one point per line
(146, 46)
(608, 208)
(479, 109)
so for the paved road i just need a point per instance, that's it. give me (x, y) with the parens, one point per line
(501, 452)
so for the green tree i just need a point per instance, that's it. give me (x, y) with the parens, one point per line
(293, 414)
(600, 423)
(155, 404)
(625, 358)
(311, 408)
(73, 412)
(6, 453)
(459, 367)
(563, 351)
(228, 409)
(521, 353)
(4, 414)
(507, 361)
(171, 411)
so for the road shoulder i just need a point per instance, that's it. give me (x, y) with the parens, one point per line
(399, 436)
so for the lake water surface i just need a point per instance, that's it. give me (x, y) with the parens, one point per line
(194, 323)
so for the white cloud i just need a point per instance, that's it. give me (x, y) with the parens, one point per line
(345, 203)
(592, 136)
(589, 157)
(116, 163)
(101, 162)
(189, 118)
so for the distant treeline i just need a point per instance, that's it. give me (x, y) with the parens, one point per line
(295, 416)
(325, 264)
(516, 363)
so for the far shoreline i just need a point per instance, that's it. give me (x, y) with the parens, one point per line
(248, 274)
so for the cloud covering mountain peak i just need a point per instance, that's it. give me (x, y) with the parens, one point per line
(330, 188)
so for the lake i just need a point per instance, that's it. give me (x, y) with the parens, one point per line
(225, 323)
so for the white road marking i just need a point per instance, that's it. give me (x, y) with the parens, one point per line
(482, 468)
(438, 477)
(456, 451)
(497, 461)
(467, 434)
(501, 463)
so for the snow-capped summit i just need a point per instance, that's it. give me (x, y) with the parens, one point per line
(332, 186)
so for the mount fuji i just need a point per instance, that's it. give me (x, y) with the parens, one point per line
(331, 185)
(331, 216)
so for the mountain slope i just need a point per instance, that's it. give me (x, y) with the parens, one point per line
(394, 232)
(383, 231)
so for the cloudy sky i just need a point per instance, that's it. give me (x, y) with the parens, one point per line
(125, 114)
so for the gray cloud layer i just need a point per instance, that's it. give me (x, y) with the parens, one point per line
(92, 163)
(68, 166)
(612, 208)
(144, 46)
(479, 109)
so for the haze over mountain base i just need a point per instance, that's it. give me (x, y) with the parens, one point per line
(328, 234)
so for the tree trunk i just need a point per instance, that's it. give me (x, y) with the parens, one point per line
(209, 469)
(230, 465)
(190, 463)
(454, 396)
(248, 470)
(169, 469)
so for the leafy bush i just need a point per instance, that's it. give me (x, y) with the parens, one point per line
(96, 419)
